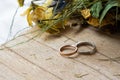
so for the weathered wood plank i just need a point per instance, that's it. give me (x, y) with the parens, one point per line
(106, 44)
(49, 59)
(14, 67)
(54, 42)
(106, 67)
(8, 74)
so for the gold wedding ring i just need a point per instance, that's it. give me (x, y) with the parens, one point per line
(73, 49)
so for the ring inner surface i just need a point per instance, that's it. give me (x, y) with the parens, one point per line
(68, 50)
(86, 48)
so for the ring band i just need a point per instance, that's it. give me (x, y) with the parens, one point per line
(68, 47)
(79, 44)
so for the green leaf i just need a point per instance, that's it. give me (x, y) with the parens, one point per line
(109, 5)
(96, 9)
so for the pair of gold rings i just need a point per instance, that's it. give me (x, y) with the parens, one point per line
(69, 50)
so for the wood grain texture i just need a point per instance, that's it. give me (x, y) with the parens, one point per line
(43, 54)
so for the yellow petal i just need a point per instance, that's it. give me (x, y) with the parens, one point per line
(47, 3)
(85, 13)
(48, 13)
(93, 21)
(29, 19)
(21, 2)
(26, 11)
(38, 14)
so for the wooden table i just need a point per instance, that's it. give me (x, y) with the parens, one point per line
(39, 58)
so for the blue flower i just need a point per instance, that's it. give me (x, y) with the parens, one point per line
(58, 5)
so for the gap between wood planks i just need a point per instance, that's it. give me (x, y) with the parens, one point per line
(33, 63)
(57, 51)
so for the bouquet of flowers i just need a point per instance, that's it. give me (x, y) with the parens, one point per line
(53, 15)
